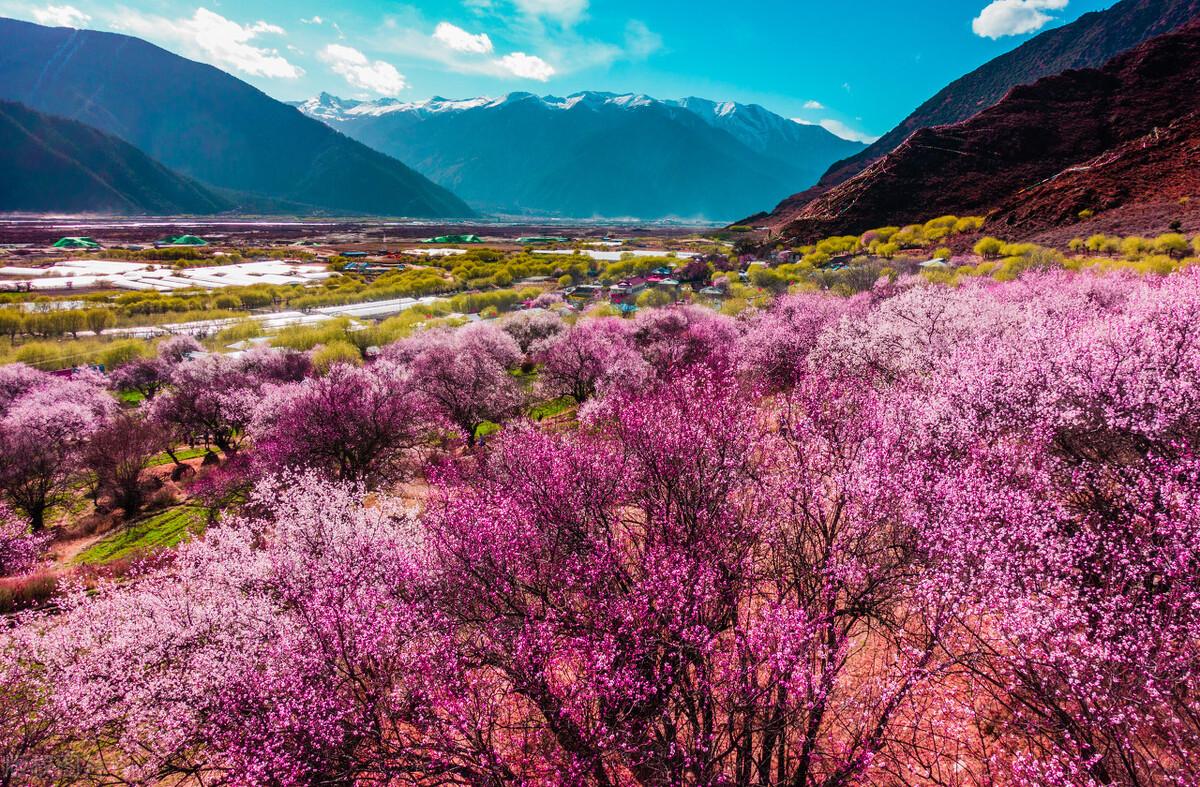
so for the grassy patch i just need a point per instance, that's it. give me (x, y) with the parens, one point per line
(486, 428)
(183, 455)
(552, 408)
(158, 531)
(537, 412)
(131, 398)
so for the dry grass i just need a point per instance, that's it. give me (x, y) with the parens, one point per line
(28, 592)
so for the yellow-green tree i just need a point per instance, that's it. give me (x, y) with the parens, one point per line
(989, 248)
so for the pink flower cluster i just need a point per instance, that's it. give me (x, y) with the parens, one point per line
(921, 536)
(19, 549)
(45, 423)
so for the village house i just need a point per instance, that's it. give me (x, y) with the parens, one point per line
(627, 289)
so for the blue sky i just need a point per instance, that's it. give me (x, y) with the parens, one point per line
(855, 66)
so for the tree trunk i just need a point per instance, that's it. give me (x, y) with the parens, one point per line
(37, 518)
(226, 447)
(180, 468)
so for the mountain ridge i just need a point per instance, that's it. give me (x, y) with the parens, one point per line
(206, 124)
(1036, 159)
(1088, 42)
(522, 152)
(55, 164)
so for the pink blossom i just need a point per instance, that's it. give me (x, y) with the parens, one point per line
(531, 327)
(463, 376)
(41, 437)
(176, 349)
(17, 379)
(357, 424)
(922, 536)
(19, 549)
(588, 358)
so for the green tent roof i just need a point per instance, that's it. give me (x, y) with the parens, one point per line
(455, 239)
(184, 240)
(76, 243)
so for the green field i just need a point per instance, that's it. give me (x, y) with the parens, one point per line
(182, 454)
(551, 408)
(162, 530)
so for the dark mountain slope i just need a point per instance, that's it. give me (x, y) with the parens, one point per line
(651, 163)
(1088, 42)
(1057, 128)
(1139, 187)
(50, 164)
(205, 123)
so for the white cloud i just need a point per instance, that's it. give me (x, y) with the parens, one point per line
(263, 27)
(813, 105)
(566, 12)
(214, 39)
(1014, 17)
(840, 129)
(360, 72)
(313, 20)
(641, 41)
(61, 16)
(460, 40)
(526, 66)
(536, 48)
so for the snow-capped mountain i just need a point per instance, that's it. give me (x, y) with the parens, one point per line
(594, 154)
(759, 128)
(331, 108)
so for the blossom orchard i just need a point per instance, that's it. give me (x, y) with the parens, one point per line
(925, 535)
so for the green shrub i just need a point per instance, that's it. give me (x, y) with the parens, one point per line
(122, 352)
(989, 248)
(325, 356)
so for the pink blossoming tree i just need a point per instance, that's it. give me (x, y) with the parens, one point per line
(19, 548)
(42, 435)
(589, 357)
(463, 375)
(361, 424)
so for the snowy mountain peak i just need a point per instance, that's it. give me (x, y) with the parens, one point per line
(595, 153)
(327, 107)
(332, 109)
(754, 126)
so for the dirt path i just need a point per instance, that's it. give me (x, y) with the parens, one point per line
(64, 552)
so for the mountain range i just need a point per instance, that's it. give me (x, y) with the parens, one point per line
(207, 125)
(51, 164)
(1093, 122)
(1088, 42)
(1116, 139)
(594, 154)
